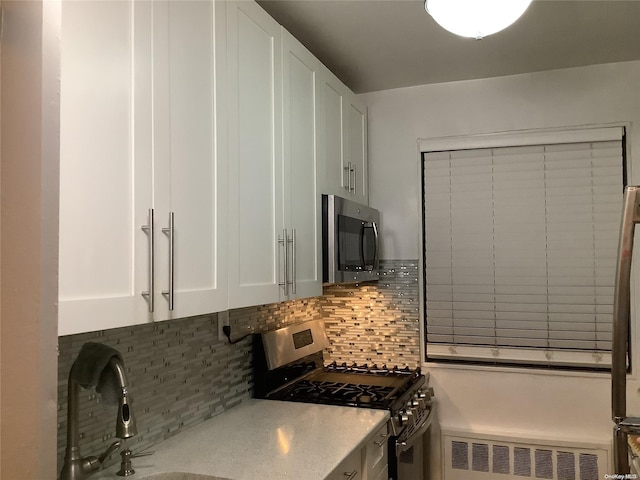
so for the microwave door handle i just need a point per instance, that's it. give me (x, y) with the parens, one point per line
(375, 244)
(362, 259)
(374, 260)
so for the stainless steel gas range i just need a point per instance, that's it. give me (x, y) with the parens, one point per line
(288, 365)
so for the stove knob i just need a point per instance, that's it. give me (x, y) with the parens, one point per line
(421, 394)
(419, 401)
(403, 417)
(426, 394)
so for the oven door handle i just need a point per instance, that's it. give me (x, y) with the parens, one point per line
(409, 442)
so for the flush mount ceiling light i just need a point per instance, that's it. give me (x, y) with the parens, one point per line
(475, 18)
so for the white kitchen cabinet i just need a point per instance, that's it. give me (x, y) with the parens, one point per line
(190, 173)
(105, 164)
(343, 141)
(357, 159)
(274, 206)
(302, 200)
(255, 155)
(367, 462)
(138, 141)
(332, 138)
(350, 468)
(375, 456)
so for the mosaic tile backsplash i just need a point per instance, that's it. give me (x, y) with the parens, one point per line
(181, 374)
(375, 322)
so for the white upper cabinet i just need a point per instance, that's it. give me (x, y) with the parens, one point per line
(343, 141)
(256, 222)
(196, 140)
(190, 174)
(139, 143)
(105, 164)
(274, 202)
(357, 160)
(332, 140)
(302, 200)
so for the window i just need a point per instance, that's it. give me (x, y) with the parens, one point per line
(520, 246)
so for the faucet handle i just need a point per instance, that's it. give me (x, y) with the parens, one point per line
(112, 448)
(92, 463)
(142, 454)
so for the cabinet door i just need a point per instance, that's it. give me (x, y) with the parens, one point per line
(302, 205)
(375, 457)
(356, 122)
(190, 172)
(343, 141)
(255, 155)
(333, 167)
(105, 164)
(350, 468)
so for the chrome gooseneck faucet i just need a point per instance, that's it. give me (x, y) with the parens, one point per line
(75, 466)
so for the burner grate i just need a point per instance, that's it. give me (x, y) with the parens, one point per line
(337, 393)
(369, 370)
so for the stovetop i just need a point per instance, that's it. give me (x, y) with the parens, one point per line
(354, 385)
(288, 365)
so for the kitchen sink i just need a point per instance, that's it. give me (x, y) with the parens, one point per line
(181, 476)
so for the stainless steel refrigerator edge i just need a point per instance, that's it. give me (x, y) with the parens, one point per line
(623, 425)
(349, 241)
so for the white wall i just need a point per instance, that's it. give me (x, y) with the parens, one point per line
(541, 404)
(397, 118)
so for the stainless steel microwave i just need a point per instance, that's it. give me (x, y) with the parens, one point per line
(349, 241)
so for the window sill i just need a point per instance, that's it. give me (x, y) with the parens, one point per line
(546, 372)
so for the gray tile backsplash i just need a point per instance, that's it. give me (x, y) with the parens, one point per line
(376, 322)
(181, 374)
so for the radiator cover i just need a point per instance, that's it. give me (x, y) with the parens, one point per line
(473, 456)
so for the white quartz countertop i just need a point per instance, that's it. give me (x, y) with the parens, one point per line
(263, 440)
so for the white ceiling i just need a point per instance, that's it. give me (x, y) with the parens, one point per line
(382, 44)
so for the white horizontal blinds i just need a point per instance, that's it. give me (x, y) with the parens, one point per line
(520, 247)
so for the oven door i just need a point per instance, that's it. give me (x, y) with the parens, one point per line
(410, 459)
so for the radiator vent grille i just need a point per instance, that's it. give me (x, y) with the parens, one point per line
(486, 458)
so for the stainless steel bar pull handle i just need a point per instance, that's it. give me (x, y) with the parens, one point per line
(348, 169)
(345, 169)
(292, 240)
(170, 231)
(351, 475)
(148, 229)
(355, 178)
(284, 241)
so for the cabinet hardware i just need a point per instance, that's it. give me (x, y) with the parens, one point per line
(293, 261)
(148, 229)
(170, 231)
(351, 170)
(284, 241)
(351, 475)
(382, 441)
(355, 178)
(348, 170)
